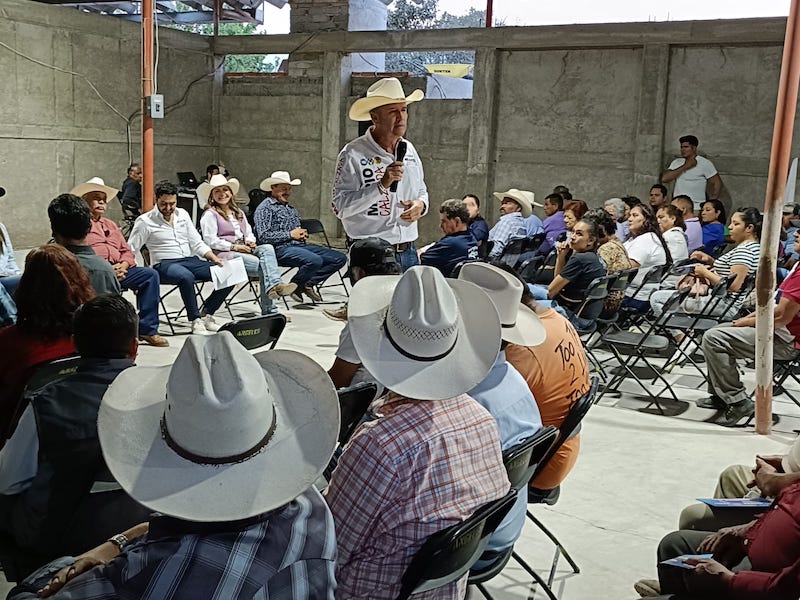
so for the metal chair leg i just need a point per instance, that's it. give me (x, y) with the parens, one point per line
(575, 568)
(536, 579)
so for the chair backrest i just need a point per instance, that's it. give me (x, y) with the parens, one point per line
(595, 294)
(312, 225)
(255, 332)
(50, 372)
(448, 554)
(512, 251)
(530, 268)
(257, 196)
(353, 404)
(532, 243)
(622, 281)
(521, 460)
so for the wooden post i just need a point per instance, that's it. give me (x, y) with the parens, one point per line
(773, 206)
(147, 90)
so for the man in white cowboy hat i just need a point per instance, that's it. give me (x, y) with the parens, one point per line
(432, 456)
(226, 446)
(228, 233)
(278, 223)
(504, 392)
(108, 243)
(175, 249)
(376, 191)
(515, 206)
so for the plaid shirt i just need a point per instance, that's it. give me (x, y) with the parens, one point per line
(274, 222)
(509, 227)
(287, 554)
(419, 468)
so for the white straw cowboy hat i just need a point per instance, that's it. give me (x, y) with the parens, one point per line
(384, 91)
(204, 189)
(522, 197)
(518, 323)
(95, 184)
(277, 178)
(423, 336)
(222, 434)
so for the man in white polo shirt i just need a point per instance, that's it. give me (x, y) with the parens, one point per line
(692, 174)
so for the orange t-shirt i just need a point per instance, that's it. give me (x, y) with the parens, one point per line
(557, 373)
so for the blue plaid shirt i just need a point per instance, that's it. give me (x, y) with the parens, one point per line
(274, 222)
(287, 554)
(509, 227)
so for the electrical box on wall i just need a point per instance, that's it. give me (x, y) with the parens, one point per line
(155, 106)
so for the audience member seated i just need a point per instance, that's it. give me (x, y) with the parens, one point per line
(107, 241)
(672, 227)
(577, 265)
(694, 231)
(553, 223)
(515, 206)
(9, 270)
(432, 457)
(618, 211)
(175, 249)
(8, 309)
(658, 196)
(368, 256)
(53, 459)
(227, 232)
(613, 254)
(741, 261)
(755, 561)
(647, 249)
(70, 222)
(278, 223)
(712, 216)
(457, 246)
(557, 373)
(52, 286)
(723, 344)
(504, 392)
(573, 212)
(130, 196)
(533, 224)
(478, 226)
(237, 516)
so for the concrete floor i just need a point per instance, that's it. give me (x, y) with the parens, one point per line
(635, 473)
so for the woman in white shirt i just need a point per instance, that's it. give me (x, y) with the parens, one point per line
(647, 249)
(670, 222)
(226, 230)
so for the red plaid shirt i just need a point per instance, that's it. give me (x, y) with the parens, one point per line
(419, 468)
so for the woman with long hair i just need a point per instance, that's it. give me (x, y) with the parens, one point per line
(647, 249)
(611, 251)
(52, 287)
(712, 220)
(672, 227)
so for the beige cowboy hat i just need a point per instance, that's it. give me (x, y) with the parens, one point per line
(421, 335)
(519, 324)
(222, 434)
(278, 178)
(522, 197)
(385, 91)
(95, 184)
(204, 189)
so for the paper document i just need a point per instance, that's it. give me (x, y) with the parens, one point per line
(230, 273)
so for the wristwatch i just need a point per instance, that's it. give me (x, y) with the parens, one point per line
(119, 540)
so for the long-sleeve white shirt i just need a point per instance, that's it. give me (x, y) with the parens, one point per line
(164, 240)
(365, 207)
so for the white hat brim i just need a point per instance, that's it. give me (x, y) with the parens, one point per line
(473, 355)
(267, 183)
(138, 457)
(360, 109)
(528, 329)
(525, 206)
(205, 188)
(82, 189)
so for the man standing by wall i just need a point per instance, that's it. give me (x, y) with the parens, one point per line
(692, 174)
(379, 187)
(130, 196)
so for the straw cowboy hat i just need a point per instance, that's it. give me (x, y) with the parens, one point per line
(384, 91)
(423, 336)
(222, 434)
(519, 324)
(277, 178)
(522, 197)
(204, 189)
(95, 184)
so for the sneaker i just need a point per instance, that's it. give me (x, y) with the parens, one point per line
(312, 293)
(210, 323)
(198, 327)
(647, 588)
(339, 314)
(735, 413)
(297, 295)
(712, 402)
(281, 289)
(154, 340)
(549, 497)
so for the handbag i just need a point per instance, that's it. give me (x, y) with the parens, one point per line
(698, 286)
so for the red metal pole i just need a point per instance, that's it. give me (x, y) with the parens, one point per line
(489, 6)
(147, 90)
(779, 160)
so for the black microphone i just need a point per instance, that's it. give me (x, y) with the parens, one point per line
(401, 154)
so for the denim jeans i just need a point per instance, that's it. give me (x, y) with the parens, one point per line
(183, 272)
(263, 264)
(314, 263)
(145, 282)
(8, 309)
(408, 258)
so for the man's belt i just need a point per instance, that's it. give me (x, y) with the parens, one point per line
(402, 247)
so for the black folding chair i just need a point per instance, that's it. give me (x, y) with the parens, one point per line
(448, 554)
(315, 226)
(591, 307)
(630, 316)
(782, 371)
(130, 212)
(257, 196)
(255, 332)
(353, 404)
(170, 316)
